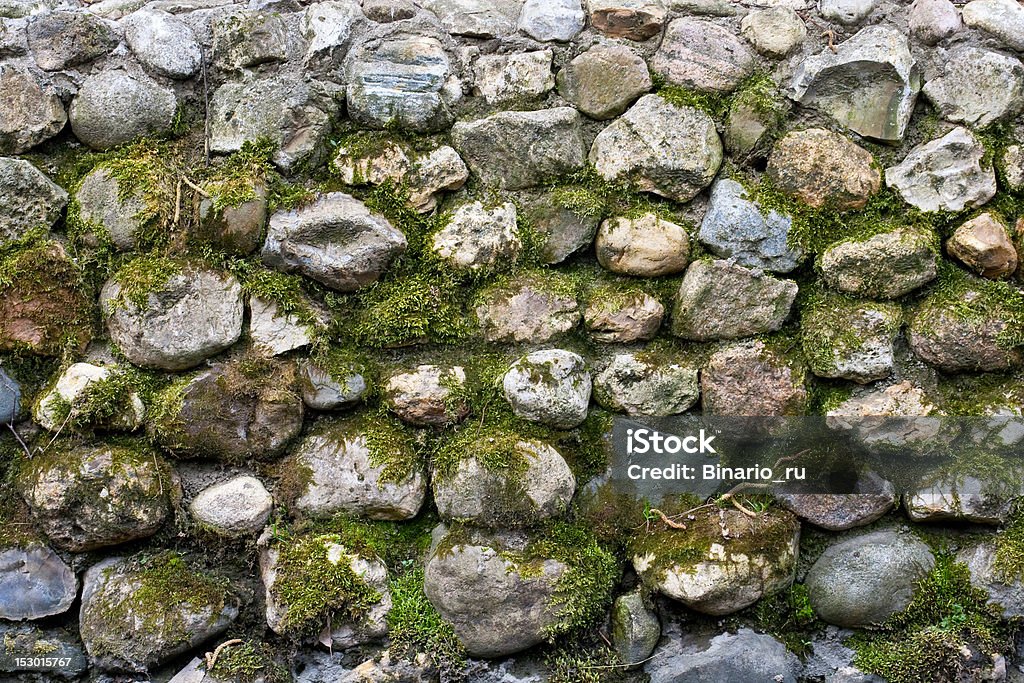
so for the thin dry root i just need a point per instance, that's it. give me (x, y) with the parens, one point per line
(667, 520)
(211, 657)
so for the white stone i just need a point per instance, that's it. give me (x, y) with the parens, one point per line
(477, 237)
(846, 11)
(551, 386)
(238, 506)
(163, 43)
(944, 174)
(1003, 19)
(72, 385)
(505, 78)
(275, 332)
(552, 20)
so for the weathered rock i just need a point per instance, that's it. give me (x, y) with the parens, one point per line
(864, 579)
(119, 215)
(962, 497)
(329, 28)
(556, 146)
(163, 43)
(246, 39)
(361, 163)
(604, 81)
(143, 612)
(502, 498)
(637, 386)
(868, 84)
(735, 227)
(774, 32)
(387, 11)
(64, 400)
(890, 418)
(647, 246)
(238, 228)
(328, 389)
(341, 625)
(344, 475)
(20, 645)
(513, 78)
(1002, 19)
(232, 412)
(944, 174)
(635, 628)
(1003, 590)
(871, 498)
(824, 169)
(854, 340)
(632, 19)
(115, 107)
(43, 305)
(385, 668)
(88, 497)
(933, 20)
(701, 55)
(496, 606)
(734, 559)
(721, 300)
(977, 87)
(274, 332)
(10, 398)
(751, 123)
(1013, 166)
(193, 315)
(30, 199)
(525, 312)
(476, 18)
(32, 115)
(983, 245)
(847, 11)
(635, 147)
(623, 319)
(743, 656)
(235, 507)
(750, 379)
(34, 583)
(885, 266)
(294, 115)
(551, 386)
(423, 396)
(552, 20)
(442, 169)
(335, 240)
(65, 38)
(405, 81)
(562, 231)
(478, 238)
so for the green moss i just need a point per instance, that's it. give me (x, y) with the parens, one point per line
(411, 309)
(923, 643)
(980, 395)
(833, 325)
(414, 625)
(1009, 562)
(788, 615)
(145, 275)
(234, 182)
(585, 663)
(286, 290)
(392, 445)
(590, 196)
(248, 662)
(495, 447)
(757, 91)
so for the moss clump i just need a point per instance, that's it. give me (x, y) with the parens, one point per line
(924, 642)
(980, 395)
(248, 662)
(834, 325)
(788, 615)
(286, 290)
(585, 663)
(494, 447)
(590, 196)
(392, 445)
(102, 401)
(1009, 562)
(314, 590)
(757, 91)
(411, 309)
(415, 626)
(143, 276)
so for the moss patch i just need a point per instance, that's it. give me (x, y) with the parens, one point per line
(415, 626)
(248, 662)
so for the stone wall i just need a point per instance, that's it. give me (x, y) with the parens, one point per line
(314, 318)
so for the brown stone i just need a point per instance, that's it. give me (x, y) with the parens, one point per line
(983, 245)
(236, 229)
(423, 396)
(623, 319)
(824, 169)
(632, 19)
(750, 380)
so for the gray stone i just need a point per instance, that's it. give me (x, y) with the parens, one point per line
(424, 396)
(556, 146)
(33, 113)
(824, 169)
(750, 380)
(64, 39)
(329, 27)
(702, 55)
(163, 43)
(551, 387)
(119, 215)
(479, 238)
(398, 668)
(933, 20)
(741, 558)
(366, 163)
(636, 386)
(327, 390)
(636, 148)
(238, 506)
(404, 81)
(1002, 19)
(977, 87)
(849, 339)
(234, 229)
(115, 107)
(623, 319)
(871, 498)
(335, 240)
(499, 498)
(635, 628)
(751, 123)
(552, 20)
(345, 476)
(961, 497)
(513, 78)
(774, 32)
(476, 18)
(885, 266)
(192, 316)
(10, 398)
(848, 12)
(30, 199)
(20, 645)
(890, 419)
(984, 246)
(525, 312)
(89, 497)
(868, 84)
(604, 81)
(62, 400)
(864, 579)
(631, 19)
(736, 228)
(1006, 592)
(246, 39)
(721, 300)
(645, 246)
(291, 113)
(274, 332)
(495, 606)
(1013, 166)
(562, 231)
(387, 11)
(440, 170)
(944, 174)
(178, 623)
(34, 583)
(743, 656)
